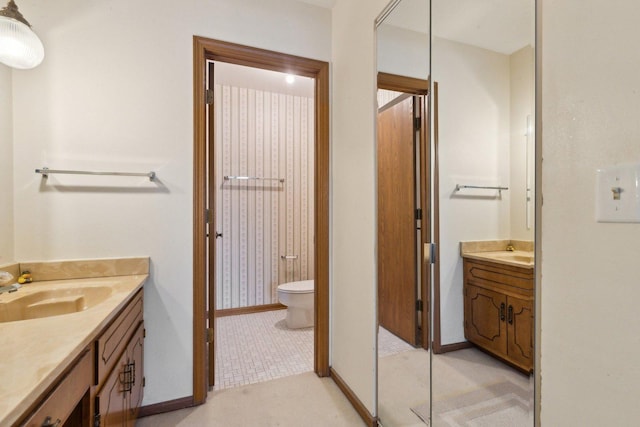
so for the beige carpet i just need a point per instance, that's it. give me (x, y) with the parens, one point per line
(503, 404)
(295, 401)
(470, 388)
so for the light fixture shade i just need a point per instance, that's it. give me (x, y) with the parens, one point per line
(20, 47)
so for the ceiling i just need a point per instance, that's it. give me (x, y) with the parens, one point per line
(500, 25)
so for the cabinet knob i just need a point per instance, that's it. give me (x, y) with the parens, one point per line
(48, 423)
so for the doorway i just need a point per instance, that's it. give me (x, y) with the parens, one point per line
(205, 51)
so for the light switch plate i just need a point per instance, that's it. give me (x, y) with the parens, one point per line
(618, 193)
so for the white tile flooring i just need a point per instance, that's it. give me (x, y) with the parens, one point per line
(389, 344)
(252, 348)
(257, 347)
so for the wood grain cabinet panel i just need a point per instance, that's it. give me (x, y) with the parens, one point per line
(520, 331)
(498, 310)
(120, 397)
(68, 403)
(484, 318)
(111, 344)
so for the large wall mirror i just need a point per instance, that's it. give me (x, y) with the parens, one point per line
(455, 159)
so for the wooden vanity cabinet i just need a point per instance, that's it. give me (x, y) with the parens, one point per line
(120, 375)
(498, 310)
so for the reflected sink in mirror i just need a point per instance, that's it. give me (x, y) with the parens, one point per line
(517, 257)
(52, 302)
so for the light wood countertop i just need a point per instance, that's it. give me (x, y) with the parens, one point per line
(522, 259)
(35, 352)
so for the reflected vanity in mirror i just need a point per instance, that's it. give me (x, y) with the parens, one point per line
(464, 180)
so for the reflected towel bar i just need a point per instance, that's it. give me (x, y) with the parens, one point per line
(46, 171)
(257, 178)
(460, 187)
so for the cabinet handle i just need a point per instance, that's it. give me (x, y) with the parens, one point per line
(47, 422)
(502, 311)
(128, 377)
(511, 315)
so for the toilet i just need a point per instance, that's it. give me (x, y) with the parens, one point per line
(298, 297)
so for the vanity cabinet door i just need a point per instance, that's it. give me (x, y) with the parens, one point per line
(485, 314)
(135, 356)
(520, 331)
(121, 395)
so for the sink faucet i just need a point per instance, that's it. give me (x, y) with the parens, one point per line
(5, 279)
(510, 248)
(10, 288)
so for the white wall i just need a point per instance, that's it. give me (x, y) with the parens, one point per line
(115, 92)
(522, 105)
(6, 167)
(473, 115)
(353, 258)
(403, 52)
(590, 282)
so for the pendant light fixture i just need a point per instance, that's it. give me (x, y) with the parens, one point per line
(20, 47)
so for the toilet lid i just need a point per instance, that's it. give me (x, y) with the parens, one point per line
(297, 287)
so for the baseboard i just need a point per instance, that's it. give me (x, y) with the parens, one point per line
(248, 310)
(439, 349)
(369, 420)
(168, 406)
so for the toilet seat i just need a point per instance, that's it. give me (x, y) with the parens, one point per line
(301, 287)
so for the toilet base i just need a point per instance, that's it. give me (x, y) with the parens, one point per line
(299, 318)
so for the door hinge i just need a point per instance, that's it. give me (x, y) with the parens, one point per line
(419, 305)
(208, 95)
(208, 216)
(209, 335)
(417, 123)
(96, 420)
(144, 332)
(419, 213)
(429, 253)
(144, 381)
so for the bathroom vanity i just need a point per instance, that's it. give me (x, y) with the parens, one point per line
(83, 367)
(499, 304)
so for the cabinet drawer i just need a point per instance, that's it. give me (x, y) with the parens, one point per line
(63, 399)
(508, 279)
(112, 343)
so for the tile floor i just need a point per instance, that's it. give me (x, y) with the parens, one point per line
(253, 348)
(257, 347)
(389, 344)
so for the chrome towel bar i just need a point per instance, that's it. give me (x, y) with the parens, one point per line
(285, 257)
(460, 187)
(246, 178)
(46, 171)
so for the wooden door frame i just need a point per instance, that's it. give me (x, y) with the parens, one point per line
(204, 50)
(416, 86)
